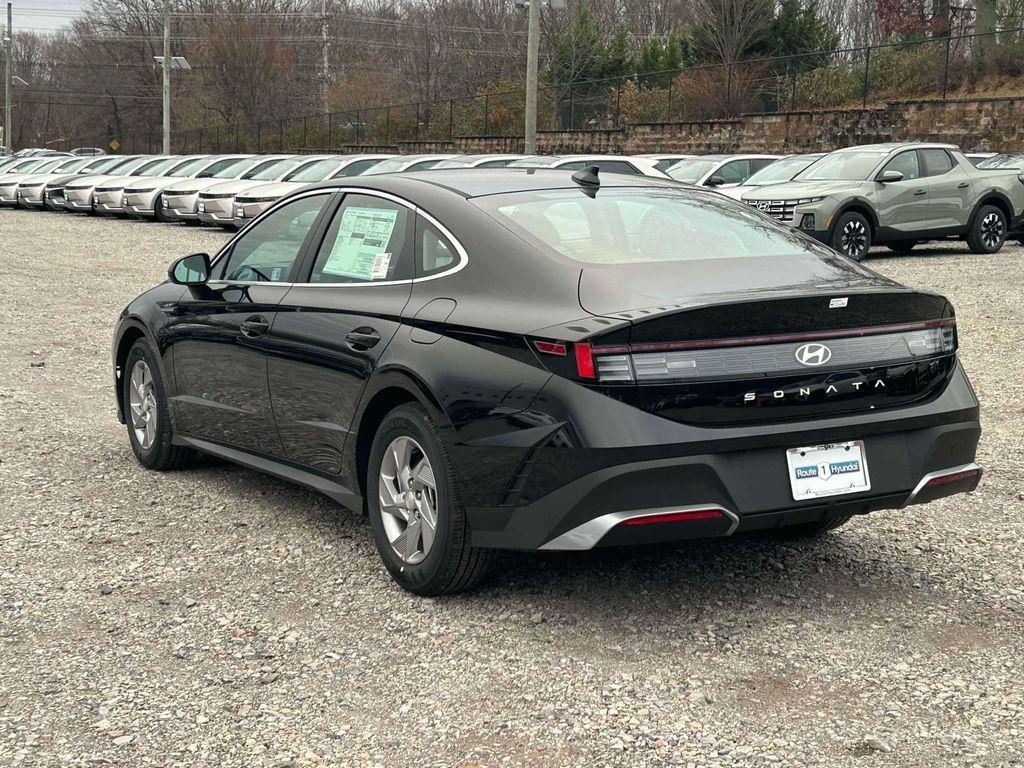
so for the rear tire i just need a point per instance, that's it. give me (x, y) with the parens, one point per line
(852, 236)
(410, 473)
(146, 413)
(988, 230)
(902, 247)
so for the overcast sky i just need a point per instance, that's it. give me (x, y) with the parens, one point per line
(42, 15)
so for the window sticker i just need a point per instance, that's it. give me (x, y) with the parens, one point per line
(362, 236)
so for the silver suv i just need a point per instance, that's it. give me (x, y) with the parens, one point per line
(898, 195)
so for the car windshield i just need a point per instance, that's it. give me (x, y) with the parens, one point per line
(98, 166)
(780, 171)
(388, 166)
(1010, 160)
(188, 167)
(125, 164)
(71, 165)
(47, 167)
(146, 169)
(225, 168)
(843, 166)
(25, 167)
(692, 171)
(159, 166)
(535, 161)
(634, 226)
(272, 170)
(317, 171)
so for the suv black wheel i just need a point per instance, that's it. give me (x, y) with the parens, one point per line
(146, 413)
(852, 235)
(988, 230)
(416, 513)
(902, 246)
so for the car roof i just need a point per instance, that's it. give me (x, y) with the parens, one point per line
(892, 146)
(477, 182)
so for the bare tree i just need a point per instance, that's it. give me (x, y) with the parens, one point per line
(727, 28)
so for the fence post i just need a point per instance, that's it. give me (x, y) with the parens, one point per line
(305, 132)
(867, 65)
(280, 135)
(417, 121)
(792, 96)
(728, 90)
(330, 130)
(259, 136)
(451, 115)
(487, 114)
(200, 141)
(618, 104)
(236, 138)
(945, 69)
(387, 124)
(669, 114)
(359, 123)
(572, 110)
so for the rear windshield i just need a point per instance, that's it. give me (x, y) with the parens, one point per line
(635, 226)
(844, 166)
(780, 171)
(1003, 161)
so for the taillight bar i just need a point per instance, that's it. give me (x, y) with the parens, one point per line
(675, 517)
(777, 338)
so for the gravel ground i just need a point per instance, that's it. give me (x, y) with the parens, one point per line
(218, 617)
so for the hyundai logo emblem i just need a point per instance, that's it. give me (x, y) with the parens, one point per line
(764, 205)
(813, 354)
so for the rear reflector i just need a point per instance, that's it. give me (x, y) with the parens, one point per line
(675, 517)
(953, 477)
(584, 361)
(550, 347)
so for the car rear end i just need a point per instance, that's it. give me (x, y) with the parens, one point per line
(754, 382)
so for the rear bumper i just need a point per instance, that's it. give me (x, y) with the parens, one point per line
(552, 501)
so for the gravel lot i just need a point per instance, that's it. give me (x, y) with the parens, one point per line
(218, 617)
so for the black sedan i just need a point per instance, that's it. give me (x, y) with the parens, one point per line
(538, 359)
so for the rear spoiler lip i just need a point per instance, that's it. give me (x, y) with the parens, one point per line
(781, 338)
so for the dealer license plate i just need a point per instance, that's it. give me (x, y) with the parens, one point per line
(833, 469)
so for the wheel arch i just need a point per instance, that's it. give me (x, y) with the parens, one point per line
(855, 206)
(130, 331)
(997, 199)
(385, 392)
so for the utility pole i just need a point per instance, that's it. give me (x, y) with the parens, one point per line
(167, 77)
(8, 46)
(326, 64)
(532, 55)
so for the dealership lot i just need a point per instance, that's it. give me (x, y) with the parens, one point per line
(216, 616)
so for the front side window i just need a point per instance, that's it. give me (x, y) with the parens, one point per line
(268, 250)
(366, 243)
(734, 172)
(906, 163)
(627, 226)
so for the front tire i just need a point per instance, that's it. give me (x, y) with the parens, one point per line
(158, 210)
(988, 230)
(852, 236)
(416, 513)
(146, 413)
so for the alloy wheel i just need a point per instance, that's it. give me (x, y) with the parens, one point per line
(408, 499)
(992, 230)
(142, 404)
(854, 238)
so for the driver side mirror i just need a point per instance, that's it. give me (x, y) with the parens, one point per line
(714, 181)
(889, 176)
(190, 270)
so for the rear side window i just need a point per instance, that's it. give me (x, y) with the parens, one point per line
(615, 166)
(936, 161)
(434, 252)
(367, 242)
(626, 226)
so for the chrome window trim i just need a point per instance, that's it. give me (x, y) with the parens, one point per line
(588, 534)
(416, 210)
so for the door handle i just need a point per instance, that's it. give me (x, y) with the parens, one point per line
(362, 338)
(255, 326)
(920, 192)
(963, 185)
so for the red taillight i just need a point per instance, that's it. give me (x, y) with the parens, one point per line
(675, 517)
(550, 347)
(584, 360)
(954, 477)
